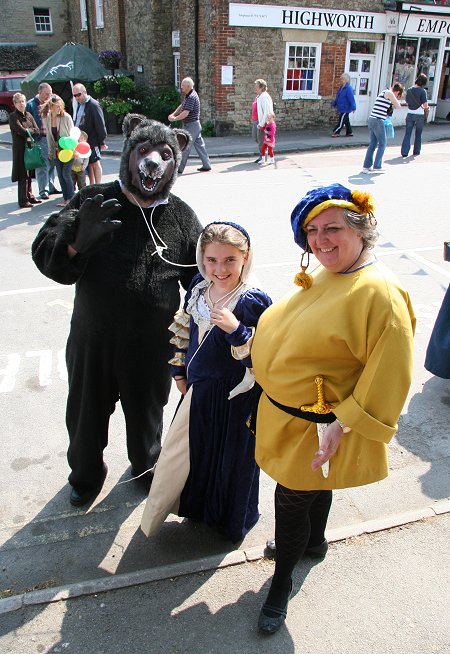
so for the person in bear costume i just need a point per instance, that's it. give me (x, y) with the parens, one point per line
(126, 245)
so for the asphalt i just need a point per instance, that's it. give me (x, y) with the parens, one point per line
(286, 142)
(294, 142)
(416, 489)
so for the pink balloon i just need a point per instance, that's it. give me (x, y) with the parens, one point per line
(83, 148)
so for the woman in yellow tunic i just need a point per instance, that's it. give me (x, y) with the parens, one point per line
(334, 359)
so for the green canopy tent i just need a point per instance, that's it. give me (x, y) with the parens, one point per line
(71, 63)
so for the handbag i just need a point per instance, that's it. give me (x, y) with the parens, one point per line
(389, 127)
(32, 156)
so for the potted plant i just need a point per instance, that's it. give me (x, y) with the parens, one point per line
(110, 59)
(115, 110)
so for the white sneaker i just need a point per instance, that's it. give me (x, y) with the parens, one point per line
(272, 160)
(366, 171)
(378, 170)
(261, 162)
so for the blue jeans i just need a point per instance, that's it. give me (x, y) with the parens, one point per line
(65, 178)
(46, 174)
(417, 121)
(377, 135)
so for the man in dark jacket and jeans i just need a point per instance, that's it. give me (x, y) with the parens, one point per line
(90, 119)
(46, 174)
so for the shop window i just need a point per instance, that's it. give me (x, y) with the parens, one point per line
(426, 62)
(405, 61)
(83, 15)
(301, 71)
(362, 47)
(42, 20)
(444, 91)
(414, 56)
(99, 20)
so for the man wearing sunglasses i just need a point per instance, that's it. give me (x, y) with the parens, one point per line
(89, 117)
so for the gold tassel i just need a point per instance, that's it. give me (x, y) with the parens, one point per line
(303, 278)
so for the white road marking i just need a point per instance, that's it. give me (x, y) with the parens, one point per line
(9, 374)
(45, 365)
(37, 289)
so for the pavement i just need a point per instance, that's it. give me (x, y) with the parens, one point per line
(378, 594)
(67, 553)
(286, 142)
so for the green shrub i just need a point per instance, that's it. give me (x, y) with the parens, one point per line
(127, 86)
(117, 106)
(161, 103)
(208, 128)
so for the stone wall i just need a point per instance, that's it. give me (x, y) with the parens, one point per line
(17, 26)
(148, 29)
(109, 37)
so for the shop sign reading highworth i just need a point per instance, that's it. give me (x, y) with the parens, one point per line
(244, 15)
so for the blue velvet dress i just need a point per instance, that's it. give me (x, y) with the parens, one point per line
(223, 484)
(437, 359)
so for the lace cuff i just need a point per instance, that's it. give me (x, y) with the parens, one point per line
(242, 351)
(178, 359)
(180, 330)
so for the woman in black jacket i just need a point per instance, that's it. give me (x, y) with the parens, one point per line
(19, 121)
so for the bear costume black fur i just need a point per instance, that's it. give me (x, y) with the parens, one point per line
(110, 240)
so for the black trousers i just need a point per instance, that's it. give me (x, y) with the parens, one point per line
(344, 120)
(101, 371)
(24, 190)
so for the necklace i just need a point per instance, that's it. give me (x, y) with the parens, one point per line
(228, 296)
(355, 262)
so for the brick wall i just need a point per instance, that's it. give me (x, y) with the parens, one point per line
(260, 53)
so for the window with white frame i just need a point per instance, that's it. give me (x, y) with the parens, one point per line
(176, 69)
(42, 20)
(301, 70)
(99, 21)
(83, 15)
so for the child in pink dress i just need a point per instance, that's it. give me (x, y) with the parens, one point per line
(269, 140)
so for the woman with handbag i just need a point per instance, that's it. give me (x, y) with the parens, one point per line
(22, 124)
(58, 124)
(386, 102)
(417, 101)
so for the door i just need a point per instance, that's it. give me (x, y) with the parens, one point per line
(361, 78)
(361, 57)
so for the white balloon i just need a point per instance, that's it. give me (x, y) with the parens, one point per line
(75, 133)
(88, 154)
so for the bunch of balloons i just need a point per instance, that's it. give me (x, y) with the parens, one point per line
(69, 145)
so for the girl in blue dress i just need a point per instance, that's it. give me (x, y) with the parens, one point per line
(212, 369)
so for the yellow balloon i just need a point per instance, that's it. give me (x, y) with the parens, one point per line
(65, 155)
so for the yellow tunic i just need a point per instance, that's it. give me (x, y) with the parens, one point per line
(356, 330)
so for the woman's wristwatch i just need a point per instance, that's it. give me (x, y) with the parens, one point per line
(345, 429)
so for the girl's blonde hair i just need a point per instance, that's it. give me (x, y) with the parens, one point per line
(225, 235)
(271, 116)
(53, 99)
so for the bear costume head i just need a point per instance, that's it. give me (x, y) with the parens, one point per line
(151, 156)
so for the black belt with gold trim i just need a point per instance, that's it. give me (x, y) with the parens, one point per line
(305, 415)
